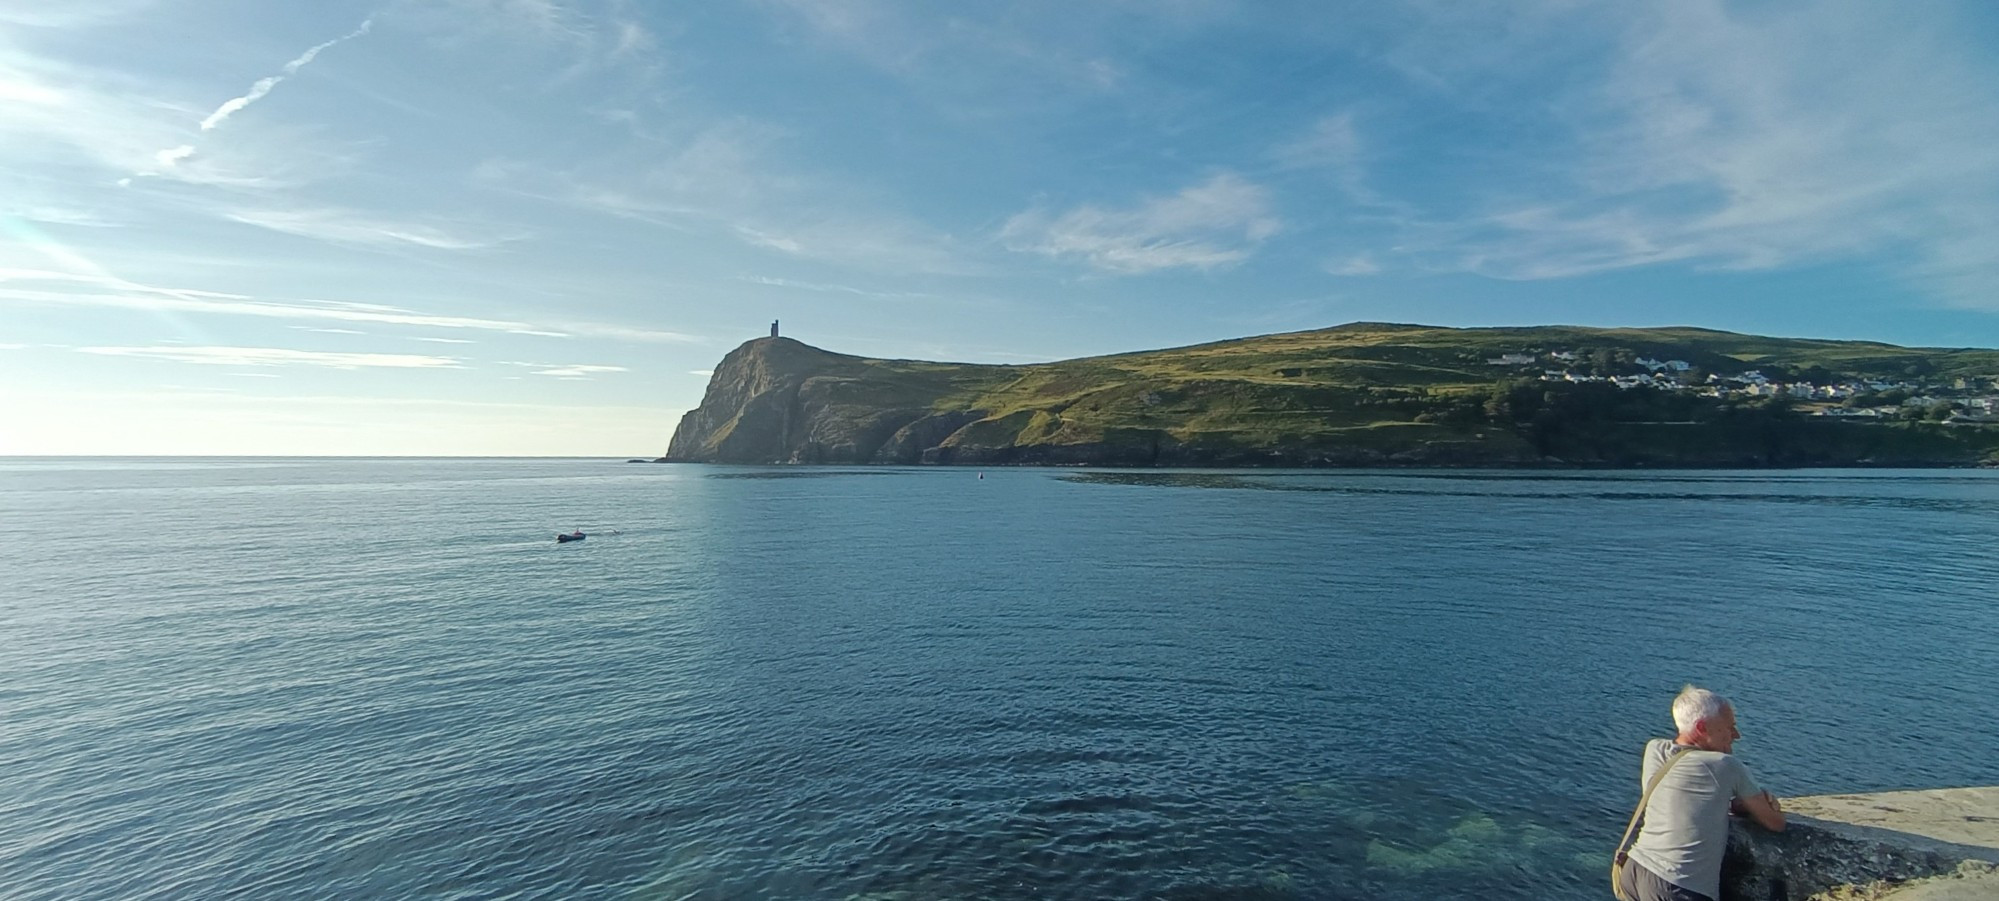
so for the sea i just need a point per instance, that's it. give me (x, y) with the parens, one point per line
(384, 678)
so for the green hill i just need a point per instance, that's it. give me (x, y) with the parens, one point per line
(1358, 394)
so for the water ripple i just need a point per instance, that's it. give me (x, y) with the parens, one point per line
(384, 679)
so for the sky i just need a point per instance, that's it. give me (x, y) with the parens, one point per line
(532, 227)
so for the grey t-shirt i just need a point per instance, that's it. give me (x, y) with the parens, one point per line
(1686, 822)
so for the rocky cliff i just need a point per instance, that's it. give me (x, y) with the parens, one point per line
(776, 400)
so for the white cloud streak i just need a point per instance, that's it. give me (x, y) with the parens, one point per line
(349, 227)
(1216, 223)
(43, 14)
(118, 292)
(263, 86)
(826, 288)
(278, 356)
(25, 92)
(60, 115)
(172, 156)
(579, 370)
(54, 288)
(1359, 264)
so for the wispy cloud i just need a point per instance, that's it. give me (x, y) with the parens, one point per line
(1725, 138)
(1358, 264)
(1334, 146)
(92, 122)
(624, 332)
(826, 288)
(30, 93)
(536, 20)
(167, 162)
(62, 215)
(172, 156)
(1215, 223)
(578, 370)
(264, 85)
(351, 227)
(732, 178)
(704, 373)
(976, 62)
(594, 35)
(39, 286)
(1331, 142)
(36, 14)
(278, 356)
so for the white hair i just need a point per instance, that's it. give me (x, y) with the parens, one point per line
(1696, 705)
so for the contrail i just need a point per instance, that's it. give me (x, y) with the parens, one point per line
(264, 85)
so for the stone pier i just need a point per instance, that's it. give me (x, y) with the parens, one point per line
(1934, 845)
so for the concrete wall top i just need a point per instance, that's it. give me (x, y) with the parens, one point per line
(1865, 845)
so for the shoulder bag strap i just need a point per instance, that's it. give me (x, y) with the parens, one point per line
(1647, 798)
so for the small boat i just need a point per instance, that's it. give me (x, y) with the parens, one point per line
(573, 536)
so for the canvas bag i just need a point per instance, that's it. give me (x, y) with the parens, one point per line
(1617, 860)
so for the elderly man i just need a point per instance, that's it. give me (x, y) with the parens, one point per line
(1678, 853)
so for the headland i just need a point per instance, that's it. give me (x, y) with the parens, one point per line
(1368, 394)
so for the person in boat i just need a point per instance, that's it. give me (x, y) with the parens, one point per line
(1677, 856)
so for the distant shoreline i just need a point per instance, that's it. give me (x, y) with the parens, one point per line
(1369, 395)
(1432, 467)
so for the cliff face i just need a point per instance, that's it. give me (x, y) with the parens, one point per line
(1361, 395)
(775, 400)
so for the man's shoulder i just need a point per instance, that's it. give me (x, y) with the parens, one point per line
(1666, 747)
(1662, 748)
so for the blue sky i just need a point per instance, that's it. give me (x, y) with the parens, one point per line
(530, 226)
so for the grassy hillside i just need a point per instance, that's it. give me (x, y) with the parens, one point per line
(1376, 392)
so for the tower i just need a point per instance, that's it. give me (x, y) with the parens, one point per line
(773, 328)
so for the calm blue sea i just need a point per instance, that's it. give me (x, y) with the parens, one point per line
(384, 679)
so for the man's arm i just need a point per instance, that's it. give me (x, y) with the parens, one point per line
(1762, 808)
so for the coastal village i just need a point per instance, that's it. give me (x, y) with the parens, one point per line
(1957, 400)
